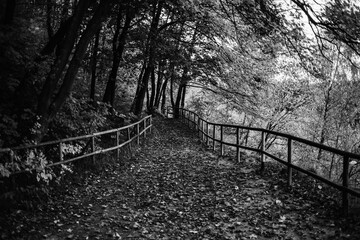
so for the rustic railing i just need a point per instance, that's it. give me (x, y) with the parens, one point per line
(131, 132)
(206, 131)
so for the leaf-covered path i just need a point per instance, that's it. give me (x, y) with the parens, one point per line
(173, 188)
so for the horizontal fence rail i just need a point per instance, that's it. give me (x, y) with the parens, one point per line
(206, 131)
(129, 133)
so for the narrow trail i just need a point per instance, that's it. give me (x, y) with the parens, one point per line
(173, 188)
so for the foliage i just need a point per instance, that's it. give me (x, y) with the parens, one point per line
(79, 117)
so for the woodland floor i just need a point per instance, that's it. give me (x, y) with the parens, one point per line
(174, 188)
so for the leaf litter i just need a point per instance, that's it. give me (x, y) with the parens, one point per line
(174, 188)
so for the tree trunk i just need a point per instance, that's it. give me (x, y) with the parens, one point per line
(172, 91)
(163, 101)
(183, 94)
(180, 99)
(57, 69)
(150, 57)
(323, 132)
(153, 91)
(118, 49)
(57, 38)
(132, 109)
(327, 107)
(159, 86)
(50, 103)
(142, 91)
(160, 94)
(94, 65)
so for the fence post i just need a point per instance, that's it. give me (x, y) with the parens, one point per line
(289, 170)
(137, 133)
(61, 156)
(221, 140)
(93, 148)
(145, 128)
(214, 135)
(203, 131)
(345, 195)
(198, 125)
(117, 144)
(238, 143)
(262, 151)
(207, 133)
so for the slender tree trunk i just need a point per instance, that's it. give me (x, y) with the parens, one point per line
(324, 126)
(153, 91)
(177, 102)
(142, 90)
(94, 66)
(147, 94)
(118, 49)
(333, 157)
(132, 109)
(109, 94)
(180, 99)
(172, 93)
(327, 107)
(159, 86)
(183, 94)
(242, 132)
(160, 94)
(149, 61)
(163, 101)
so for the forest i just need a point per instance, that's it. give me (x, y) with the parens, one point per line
(73, 67)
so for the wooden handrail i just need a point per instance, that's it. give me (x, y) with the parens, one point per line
(197, 122)
(74, 138)
(147, 125)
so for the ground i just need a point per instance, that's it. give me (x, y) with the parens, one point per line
(173, 187)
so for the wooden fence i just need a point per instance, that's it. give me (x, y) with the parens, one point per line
(207, 130)
(131, 132)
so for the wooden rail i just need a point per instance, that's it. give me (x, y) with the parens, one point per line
(194, 121)
(144, 124)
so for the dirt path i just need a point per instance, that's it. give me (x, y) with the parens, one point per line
(175, 189)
